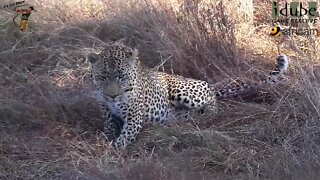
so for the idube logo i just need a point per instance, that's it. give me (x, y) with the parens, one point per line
(288, 16)
(275, 31)
(295, 11)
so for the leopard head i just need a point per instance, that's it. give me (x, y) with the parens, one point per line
(113, 70)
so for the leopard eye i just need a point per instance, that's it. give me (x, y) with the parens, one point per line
(105, 73)
(122, 75)
(101, 77)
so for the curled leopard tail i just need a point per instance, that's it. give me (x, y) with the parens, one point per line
(273, 77)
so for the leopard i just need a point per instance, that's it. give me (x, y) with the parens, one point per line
(131, 95)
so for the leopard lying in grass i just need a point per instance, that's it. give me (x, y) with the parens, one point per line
(132, 95)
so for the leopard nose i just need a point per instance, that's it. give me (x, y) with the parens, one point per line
(113, 95)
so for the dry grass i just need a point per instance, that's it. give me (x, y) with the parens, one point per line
(50, 126)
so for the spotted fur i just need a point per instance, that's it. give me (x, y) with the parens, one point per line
(130, 95)
(274, 77)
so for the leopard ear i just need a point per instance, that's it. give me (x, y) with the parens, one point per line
(133, 57)
(93, 57)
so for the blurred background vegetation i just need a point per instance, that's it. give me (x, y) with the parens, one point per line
(50, 126)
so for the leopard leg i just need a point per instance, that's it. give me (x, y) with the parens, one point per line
(112, 123)
(194, 95)
(112, 127)
(211, 106)
(130, 130)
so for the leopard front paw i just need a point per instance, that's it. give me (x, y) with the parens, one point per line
(120, 143)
